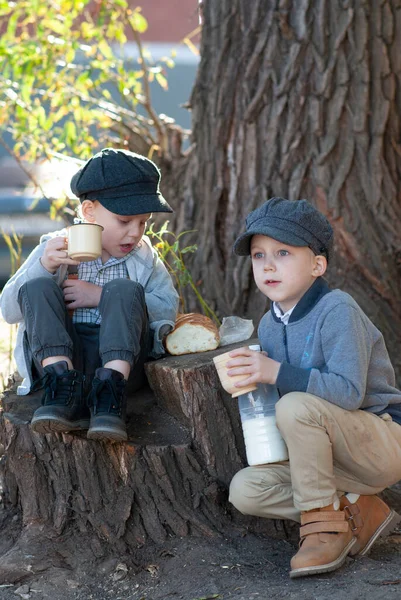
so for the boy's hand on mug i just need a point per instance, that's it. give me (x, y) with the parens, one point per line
(258, 367)
(81, 294)
(56, 254)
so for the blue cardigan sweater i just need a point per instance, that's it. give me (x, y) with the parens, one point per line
(331, 349)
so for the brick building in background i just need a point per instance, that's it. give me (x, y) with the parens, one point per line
(169, 20)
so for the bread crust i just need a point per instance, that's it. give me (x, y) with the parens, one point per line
(192, 333)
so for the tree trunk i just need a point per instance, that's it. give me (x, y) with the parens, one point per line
(300, 100)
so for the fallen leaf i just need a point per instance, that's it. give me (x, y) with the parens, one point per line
(120, 572)
(153, 569)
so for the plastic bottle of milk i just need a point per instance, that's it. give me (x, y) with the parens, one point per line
(263, 441)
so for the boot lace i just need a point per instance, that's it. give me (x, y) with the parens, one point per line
(105, 396)
(59, 389)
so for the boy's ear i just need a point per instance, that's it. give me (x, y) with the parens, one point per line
(320, 266)
(88, 211)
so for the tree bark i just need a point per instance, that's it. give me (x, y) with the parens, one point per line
(300, 100)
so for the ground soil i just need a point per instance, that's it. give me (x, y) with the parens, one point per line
(241, 566)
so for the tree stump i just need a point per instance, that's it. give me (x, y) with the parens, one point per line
(80, 499)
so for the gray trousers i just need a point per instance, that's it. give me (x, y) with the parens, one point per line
(122, 335)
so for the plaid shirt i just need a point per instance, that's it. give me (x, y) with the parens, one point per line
(98, 273)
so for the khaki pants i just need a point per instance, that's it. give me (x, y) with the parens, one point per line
(332, 451)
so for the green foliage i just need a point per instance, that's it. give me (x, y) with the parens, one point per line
(64, 85)
(169, 250)
(14, 245)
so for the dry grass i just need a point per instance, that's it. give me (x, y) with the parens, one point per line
(7, 340)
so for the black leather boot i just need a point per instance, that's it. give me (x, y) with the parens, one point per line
(107, 403)
(63, 403)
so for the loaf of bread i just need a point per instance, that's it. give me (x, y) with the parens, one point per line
(193, 332)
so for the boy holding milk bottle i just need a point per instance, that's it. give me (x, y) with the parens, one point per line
(122, 301)
(339, 411)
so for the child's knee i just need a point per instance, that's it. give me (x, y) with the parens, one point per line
(295, 407)
(239, 492)
(37, 286)
(124, 287)
(247, 488)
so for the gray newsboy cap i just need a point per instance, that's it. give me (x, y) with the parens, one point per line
(123, 182)
(296, 223)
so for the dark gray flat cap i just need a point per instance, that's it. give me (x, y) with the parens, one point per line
(123, 182)
(296, 223)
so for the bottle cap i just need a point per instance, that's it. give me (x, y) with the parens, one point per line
(255, 347)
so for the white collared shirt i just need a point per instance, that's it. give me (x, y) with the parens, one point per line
(284, 317)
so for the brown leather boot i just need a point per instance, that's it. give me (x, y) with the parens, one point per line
(326, 540)
(369, 518)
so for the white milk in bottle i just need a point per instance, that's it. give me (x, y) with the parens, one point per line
(263, 441)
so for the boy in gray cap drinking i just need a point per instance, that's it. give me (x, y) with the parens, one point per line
(123, 303)
(339, 410)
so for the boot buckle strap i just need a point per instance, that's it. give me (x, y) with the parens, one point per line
(353, 517)
(321, 527)
(329, 515)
